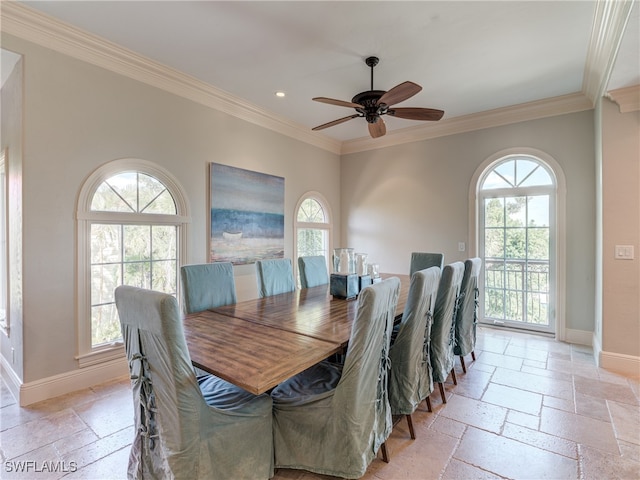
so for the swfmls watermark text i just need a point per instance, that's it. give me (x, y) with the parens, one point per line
(31, 466)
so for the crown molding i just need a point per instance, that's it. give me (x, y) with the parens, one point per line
(41, 29)
(550, 107)
(610, 21)
(627, 98)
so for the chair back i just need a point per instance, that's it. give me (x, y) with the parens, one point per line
(442, 331)
(361, 397)
(313, 271)
(410, 379)
(274, 276)
(207, 285)
(177, 433)
(467, 314)
(162, 381)
(422, 260)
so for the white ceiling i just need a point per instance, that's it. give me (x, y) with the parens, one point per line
(469, 57)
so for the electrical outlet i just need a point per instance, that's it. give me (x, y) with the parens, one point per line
(461, 246)
(624, 252)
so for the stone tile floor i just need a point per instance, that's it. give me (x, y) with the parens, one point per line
(528, 408)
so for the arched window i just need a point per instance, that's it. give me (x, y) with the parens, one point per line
(131, 227)
(312, 227)
(517, 208)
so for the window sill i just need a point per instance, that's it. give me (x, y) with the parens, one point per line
(103, 355)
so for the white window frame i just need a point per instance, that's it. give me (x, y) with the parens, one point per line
(327, 226)
(4, 243)
(559, 214)
(88, 355)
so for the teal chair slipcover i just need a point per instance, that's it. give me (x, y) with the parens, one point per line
(186, 427)
(274, 276)
(422, 260)
(207, 285)
(410, 379)
(313, 271)
(467, 314)
(442, 331)
(332, 419)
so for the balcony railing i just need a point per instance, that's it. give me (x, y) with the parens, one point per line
(517, 290)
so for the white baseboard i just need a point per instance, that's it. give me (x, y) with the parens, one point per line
(10, 377)
(578, 337)
(43, 389)
(620, 363)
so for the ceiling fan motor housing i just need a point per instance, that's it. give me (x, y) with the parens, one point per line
(369, 109)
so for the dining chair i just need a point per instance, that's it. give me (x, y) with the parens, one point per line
(186, 426)
(274, 276)
(313, 271)
(422, 260)
(442, 330)
(410, 379)
(207, 285)
(332, 419)
(467, 314)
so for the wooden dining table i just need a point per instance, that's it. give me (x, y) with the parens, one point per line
(256, 344)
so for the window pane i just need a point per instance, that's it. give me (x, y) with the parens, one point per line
(106, 200)
(311, 211)
(311, 242)
(164, 276)
(515, 243)
(164, 242)
(507, 171)
(162, 204)
(538, 244)
(516, 211)
(538, 211)
(494, 212)
(538, 177)
(493, 181)
(104, 280)
(105, 324)
(524, 168)
(494, 242)
(105, 243)
(137, 243)
(126, 186)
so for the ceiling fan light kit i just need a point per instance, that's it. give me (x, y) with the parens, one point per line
(372, 104)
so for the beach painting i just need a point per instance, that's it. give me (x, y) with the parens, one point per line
(247, 215)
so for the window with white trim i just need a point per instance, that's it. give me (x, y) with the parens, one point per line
(4, 266)
(132, 220)
(312, 227)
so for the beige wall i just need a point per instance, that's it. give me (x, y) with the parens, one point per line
(76, 118)
(621, 226)
(414, 197)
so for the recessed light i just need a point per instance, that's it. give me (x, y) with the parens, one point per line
(280, 94)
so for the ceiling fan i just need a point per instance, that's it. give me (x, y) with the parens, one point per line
(372, 104)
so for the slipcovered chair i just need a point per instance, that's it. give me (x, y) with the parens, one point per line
(186, 427)
(422, 260)
(332, 419)
(467, 314)
(410, 379)
(274, 276)
(443, 329)
(207, 285)
(313, 271)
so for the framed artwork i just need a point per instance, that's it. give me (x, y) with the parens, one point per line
(247, 215)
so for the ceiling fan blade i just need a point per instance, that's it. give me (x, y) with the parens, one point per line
(417, 113)
(333, 101)
(377, 129)
(399, 93)
(335, 122)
